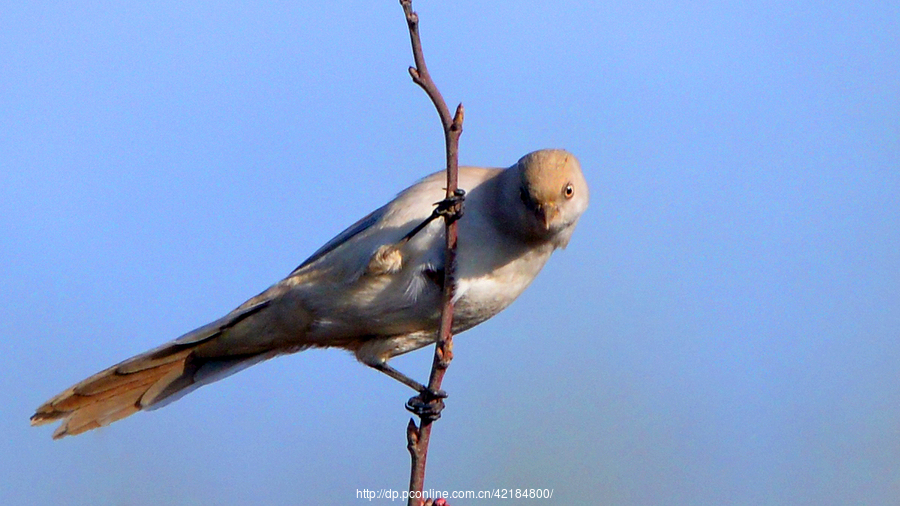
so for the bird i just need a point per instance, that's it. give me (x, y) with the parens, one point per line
(375, 290)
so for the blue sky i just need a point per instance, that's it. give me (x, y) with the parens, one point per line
(724, 327)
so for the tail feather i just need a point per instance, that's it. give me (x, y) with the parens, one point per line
(157, 377)
(112, 394)
(149, 382)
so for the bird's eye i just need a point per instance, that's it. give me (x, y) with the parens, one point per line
(569, 191)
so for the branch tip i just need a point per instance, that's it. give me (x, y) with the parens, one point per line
(460, 114)
(412, 18)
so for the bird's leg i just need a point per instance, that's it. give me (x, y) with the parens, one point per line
(406, 380)
(388, 259)
(428, 404)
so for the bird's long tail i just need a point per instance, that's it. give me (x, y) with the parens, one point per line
(149, 380)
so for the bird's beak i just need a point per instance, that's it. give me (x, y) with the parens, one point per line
(547, 214)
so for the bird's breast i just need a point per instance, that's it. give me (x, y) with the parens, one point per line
(482, 293)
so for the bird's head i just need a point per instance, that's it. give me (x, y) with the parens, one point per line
(553, 192)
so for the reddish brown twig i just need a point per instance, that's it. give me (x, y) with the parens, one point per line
(419, 436)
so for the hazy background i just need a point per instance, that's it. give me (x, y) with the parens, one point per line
(724, 327)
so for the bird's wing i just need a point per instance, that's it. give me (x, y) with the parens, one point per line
(349, 233)
(361, 246)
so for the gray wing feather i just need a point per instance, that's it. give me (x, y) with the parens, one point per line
(215, 328)
(352, 231)
(162, 353)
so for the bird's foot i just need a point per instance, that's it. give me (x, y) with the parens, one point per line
(451, 207)
(427, 405)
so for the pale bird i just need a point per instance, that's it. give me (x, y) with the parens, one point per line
(374, 290)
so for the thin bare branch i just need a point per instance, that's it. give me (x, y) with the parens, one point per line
(419, 436)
